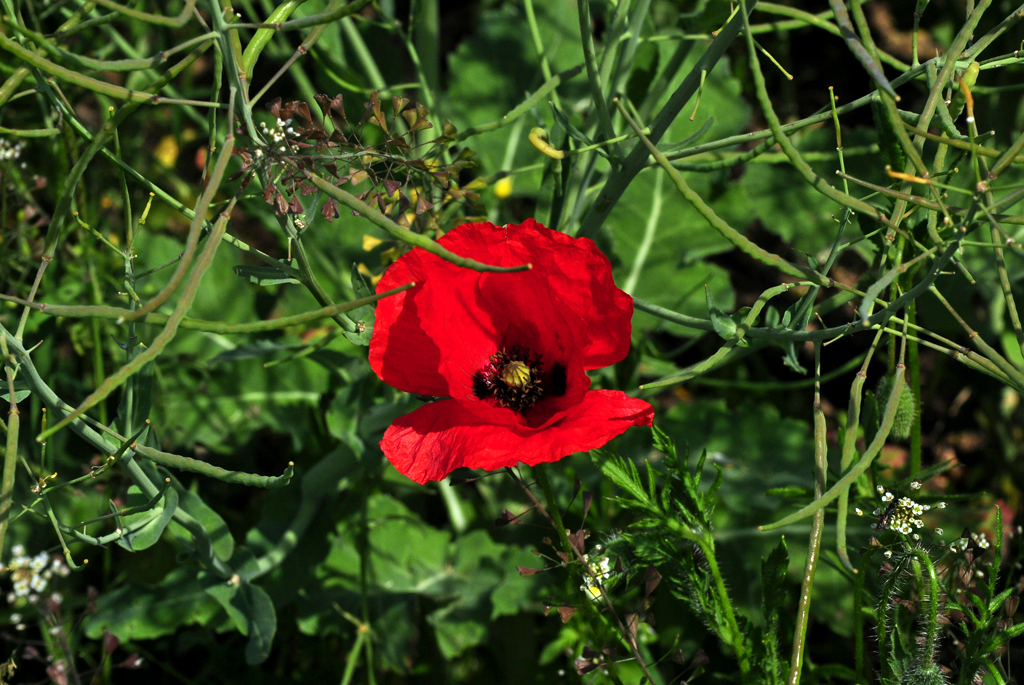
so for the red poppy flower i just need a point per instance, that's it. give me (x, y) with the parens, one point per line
(508, 350)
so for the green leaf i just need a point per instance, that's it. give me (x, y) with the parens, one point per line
(263, 275)
(143, 529)
(251, 611)
(192, 504)
(773, 584)
(363, 316)
(141, 612)
(563, 122)
(789, 491)
(723, 323)
(21, 391)
(790, 208)
(621, 472)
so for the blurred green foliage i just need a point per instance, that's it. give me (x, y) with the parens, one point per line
(351, 572)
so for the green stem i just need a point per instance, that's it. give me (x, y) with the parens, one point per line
(400, 232)
(11, 453)
(858, 616)
(849, 451)
(118, 314)
(817, 526)
(596, 87)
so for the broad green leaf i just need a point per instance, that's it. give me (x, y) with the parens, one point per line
(143, 529)
(788, 207)
(140, 612)
(194, 506)
(251, 611)
(658, 244)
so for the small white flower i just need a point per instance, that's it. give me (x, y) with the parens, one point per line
(916, 485)
(887, 553)
(18, 550)
(38, 562)
(858, 511)
(15, 617)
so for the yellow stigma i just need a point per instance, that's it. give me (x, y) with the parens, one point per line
(516, 374)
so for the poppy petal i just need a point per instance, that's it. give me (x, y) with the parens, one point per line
(401, 353)
(575, 272)
(432, 441)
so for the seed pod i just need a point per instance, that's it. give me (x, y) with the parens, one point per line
(906, 410)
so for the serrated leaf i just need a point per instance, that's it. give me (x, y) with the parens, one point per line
(623, 473)
(773, 579)
(263, 275)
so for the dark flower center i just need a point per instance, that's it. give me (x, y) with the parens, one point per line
(514, 379)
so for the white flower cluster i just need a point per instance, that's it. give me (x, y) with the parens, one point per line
(9, 151)
(962, 544)
(903, 515)
(31, 574)
(280, 134)
(601, 569)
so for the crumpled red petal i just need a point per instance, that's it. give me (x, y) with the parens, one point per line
(432, 441)
(572, 272)
(401, 353)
